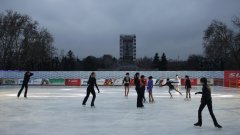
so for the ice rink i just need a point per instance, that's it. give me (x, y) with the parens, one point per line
(58, 111)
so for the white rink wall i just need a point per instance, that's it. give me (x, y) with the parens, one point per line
(112, 74)
(108, 78)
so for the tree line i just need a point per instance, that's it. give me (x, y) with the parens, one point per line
(24, 45)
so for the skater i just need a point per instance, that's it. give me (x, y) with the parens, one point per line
(90, 89)
(171, 87)
(143, 88)
(178, 85)
(138, 90)
(26, 79)
(188, 87)
(149, 88)
(126, 82)
(206, 100)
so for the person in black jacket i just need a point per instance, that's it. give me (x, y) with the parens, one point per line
(26, 79)
(206, 100)
(171, 87)
(188, 87)
(138, 90)
(90, 89)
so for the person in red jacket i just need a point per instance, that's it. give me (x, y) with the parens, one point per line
(143, 88)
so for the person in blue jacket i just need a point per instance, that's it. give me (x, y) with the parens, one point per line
(149, 89)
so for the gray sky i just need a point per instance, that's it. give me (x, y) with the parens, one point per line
(93, 27)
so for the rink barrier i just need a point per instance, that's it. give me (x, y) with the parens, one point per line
(72, 82)
(209, 81)
(218, 82)
(31, 81)
(10, 81)
(111, 74)
(194, 81)
(112, 82)
(225, 78)
(84, 82)
(57, 82)
(232, 79)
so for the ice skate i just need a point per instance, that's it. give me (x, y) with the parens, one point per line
(198, 124)
(217, 126)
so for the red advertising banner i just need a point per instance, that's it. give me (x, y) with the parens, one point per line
(72, 82)
(194, 82)
(232, 79)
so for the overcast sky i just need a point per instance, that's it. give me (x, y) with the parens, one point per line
(93, 27)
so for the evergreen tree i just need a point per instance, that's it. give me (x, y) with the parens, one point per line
(163, 63)
(156, 61)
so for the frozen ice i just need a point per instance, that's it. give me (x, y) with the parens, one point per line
(58, 111)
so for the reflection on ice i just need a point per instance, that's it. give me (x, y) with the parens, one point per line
(58, 110)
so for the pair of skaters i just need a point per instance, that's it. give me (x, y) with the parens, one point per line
(205, 100)
(139, 82)
(188, 86)
(90, 89)
(126, 83)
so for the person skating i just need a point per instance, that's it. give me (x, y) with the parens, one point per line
(149, 89)
(126, 82)
(26, 79)
(178, 85)
(206, 100)
(90, 89)
(138, 90)
(143, 88)
(171, 87)
(188, 87)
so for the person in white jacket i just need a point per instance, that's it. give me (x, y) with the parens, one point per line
(178, 85)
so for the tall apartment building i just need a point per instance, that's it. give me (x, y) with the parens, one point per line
(128, 48)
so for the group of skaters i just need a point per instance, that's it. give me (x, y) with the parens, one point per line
(140, 83)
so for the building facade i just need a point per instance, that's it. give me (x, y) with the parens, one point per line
(128, 48)
(128, 52)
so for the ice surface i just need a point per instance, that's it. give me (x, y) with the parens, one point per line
(58, 111)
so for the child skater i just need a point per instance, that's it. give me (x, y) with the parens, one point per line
(188, 87)
(26, 79)
(171, 87)
(143, 88)
(90, 89)
(138, 90)
(206, 100)
(149, 88)
(126, 82)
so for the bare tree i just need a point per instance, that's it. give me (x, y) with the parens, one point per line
(221, 44)
(23, 44)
